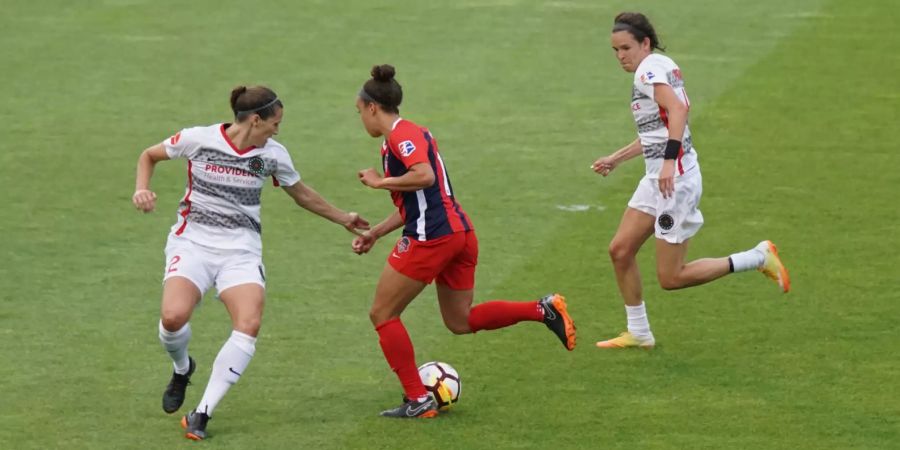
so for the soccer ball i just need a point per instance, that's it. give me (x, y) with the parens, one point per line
(442, 382)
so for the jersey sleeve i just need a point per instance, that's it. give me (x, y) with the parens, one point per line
(285, 173)
(181, 144)
(648, 75)
(409, 146)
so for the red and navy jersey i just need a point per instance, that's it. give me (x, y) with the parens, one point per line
(431, 212)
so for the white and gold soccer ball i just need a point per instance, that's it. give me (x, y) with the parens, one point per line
(442, 382)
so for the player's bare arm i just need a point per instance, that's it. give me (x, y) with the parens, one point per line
(310, 200)
(606, 164)
(144, 199)
(419, 176)
(364, 242)
(677, 113)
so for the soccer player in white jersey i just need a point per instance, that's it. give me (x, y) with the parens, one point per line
(665, 203)
(216, 237)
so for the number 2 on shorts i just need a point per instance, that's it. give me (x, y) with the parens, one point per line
(174, 261)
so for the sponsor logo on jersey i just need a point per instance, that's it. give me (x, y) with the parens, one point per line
(406, 148)
(174, 139)
(215, 168)
(257, 165)
(403, 244)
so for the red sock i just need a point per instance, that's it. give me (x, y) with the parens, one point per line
(399, 353)
(500, 313)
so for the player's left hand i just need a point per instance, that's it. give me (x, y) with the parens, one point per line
(667, 178)
(363, 243)
(370, 177)
(354, 223)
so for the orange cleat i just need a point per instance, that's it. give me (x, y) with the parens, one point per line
(773, 267)
(557, 319)
(628, 340)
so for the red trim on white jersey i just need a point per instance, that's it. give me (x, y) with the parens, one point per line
(187, 201)
(234, 147)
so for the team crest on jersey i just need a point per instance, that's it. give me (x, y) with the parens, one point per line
(257, 165)
(403, 244)
(406, 148)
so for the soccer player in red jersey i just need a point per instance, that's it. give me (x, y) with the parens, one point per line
(438, 243)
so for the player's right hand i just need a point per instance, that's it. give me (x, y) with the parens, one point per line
(604, 165)
(363, 243)
(144, 200)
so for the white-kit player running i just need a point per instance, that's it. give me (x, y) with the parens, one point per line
(666, 201)
(216, 238)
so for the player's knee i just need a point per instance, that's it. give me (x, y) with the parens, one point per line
(458, 327)
(173, 320)
(620, 252)
(670, 282)
(248, 325)
(378, 316)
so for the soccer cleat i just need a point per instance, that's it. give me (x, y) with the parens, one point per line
(772, 267)
(557, 319)
(628, 340)
(194, 425)
(414, 409)
(173, 397)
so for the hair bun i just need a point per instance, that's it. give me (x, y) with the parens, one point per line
(383, 73)
(235, 95)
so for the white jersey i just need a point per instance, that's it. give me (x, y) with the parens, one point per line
(220, 208)
(652, 122)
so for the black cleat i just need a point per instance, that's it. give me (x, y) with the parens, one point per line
(413, 409)
(173, 397)
(194, 425)
(557, 319)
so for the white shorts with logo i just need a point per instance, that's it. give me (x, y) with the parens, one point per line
(206, 266)
(678, 217)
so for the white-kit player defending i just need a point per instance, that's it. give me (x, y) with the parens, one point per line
(666, 201)
(216, 238)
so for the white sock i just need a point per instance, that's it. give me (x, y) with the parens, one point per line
(750, 259)
(227, 369)
(638, 325)
(176, 343)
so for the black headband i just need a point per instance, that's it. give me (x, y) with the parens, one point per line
(622, 26)
(366, 97)
(251, 111)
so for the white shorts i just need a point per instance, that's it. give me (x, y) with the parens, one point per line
(678, 217)
(206, 266)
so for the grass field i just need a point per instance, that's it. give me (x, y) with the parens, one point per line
(794, 109)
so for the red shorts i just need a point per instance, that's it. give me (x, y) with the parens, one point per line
(451, 259)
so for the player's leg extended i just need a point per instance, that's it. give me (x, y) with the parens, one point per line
(180, 296)
(455, 288)
(634, 229)
(244, 303)
(674, 274)
(456, 308)
(460, 318)
(392, 295)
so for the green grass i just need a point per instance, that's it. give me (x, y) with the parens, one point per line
(794, 111)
